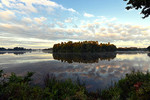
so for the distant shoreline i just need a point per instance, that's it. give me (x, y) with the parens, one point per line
(138, 51)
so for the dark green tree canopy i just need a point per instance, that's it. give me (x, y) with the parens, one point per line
(148, 48)
(81, 47)
(144, 5)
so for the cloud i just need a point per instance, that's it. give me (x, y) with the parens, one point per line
(5, 2)
(31, 19)
(6, 14)
(69, 20)
(72, 10)
(40, 20)
(29, 5)
(1, 5)
(88, 15)
(27, 20)
(27, 42)
(113, 19)
(99, 30)
(60, 24)
(90, 31)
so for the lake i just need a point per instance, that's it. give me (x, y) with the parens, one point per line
(97, 71)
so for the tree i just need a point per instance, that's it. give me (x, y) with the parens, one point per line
(144, 5)
(85, 46)
(148, 48)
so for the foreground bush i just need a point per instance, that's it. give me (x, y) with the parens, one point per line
(134, 86)
(19, 88)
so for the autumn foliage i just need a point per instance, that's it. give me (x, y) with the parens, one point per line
(85, 46)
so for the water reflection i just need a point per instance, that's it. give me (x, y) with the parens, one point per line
(131, 52)
(84, 57)
(148, 54)
(14, 52)
(1, 53)
(97, 70)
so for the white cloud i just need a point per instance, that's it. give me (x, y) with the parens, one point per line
(40, 20)
(72, 10)
(113, 19)
(43, 26)
(94, 31)
(88, 15)
(26, 19)
(28, 5)
(1, 6)
(90, 31)
(60, 24)
(69, 20)
(6, 3)
(6, 14)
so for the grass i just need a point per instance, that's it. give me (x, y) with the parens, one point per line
(135, 86)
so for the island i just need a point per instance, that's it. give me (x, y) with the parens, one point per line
(83, 47)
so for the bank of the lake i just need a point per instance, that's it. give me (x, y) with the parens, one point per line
(134, 86)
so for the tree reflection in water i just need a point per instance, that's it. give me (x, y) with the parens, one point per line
(84, 57)
(15, 53)
(148, 54)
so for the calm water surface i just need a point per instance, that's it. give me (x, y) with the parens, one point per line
(96, 70)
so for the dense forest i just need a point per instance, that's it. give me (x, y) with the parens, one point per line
(85, 46)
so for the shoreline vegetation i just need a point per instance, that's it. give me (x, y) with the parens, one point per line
(80, 47)
(91, 47)
(134, 86)
(15, 49)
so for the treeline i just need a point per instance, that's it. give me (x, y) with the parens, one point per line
(48, 49)
(14, 49)
(85, 46)
(131, 49)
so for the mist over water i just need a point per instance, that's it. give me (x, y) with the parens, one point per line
(97, 70)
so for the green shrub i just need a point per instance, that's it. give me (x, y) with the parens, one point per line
(135, 86)
(19, 88)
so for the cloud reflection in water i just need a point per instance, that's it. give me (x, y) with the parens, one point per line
(96, 73)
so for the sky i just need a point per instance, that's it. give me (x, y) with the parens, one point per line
(42, 23)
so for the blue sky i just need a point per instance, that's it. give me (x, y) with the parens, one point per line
(107, 8)
(41, 23)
